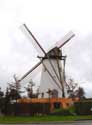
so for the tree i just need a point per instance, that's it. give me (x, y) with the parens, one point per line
(49, 92)
(72, 86)
(74, 90)
(1, 100)
(42, 95)
(1, 93)
(13, 90)
(80, 93)
(29, 90)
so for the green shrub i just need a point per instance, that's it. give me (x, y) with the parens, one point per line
(72, 110)
(68, 111)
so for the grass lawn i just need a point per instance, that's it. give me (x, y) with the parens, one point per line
(27, 119)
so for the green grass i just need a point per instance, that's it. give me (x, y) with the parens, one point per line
(27, 119)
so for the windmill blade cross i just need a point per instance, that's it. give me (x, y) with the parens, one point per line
(37, 46)
(42, 51)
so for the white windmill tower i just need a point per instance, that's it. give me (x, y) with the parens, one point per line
(52, 76)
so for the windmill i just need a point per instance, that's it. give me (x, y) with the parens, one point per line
(53, 71)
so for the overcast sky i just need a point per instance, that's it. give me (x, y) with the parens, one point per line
(49, 20)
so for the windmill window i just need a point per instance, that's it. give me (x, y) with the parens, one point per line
(57, 105)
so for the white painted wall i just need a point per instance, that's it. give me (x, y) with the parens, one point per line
(46, 81)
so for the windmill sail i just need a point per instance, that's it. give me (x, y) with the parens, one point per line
(31, 74)
(33, 40)
(65, 39)
(30, 71)
(38, 46)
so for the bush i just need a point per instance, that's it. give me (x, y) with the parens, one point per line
(65, 112)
